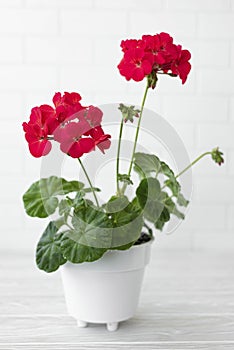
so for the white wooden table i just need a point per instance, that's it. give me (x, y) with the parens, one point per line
(187, 302)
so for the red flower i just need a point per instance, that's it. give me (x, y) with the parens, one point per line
(40, 115)
(45, 117)
(181, 66)
(90, 117)
(76, 128)
(41, 124)
(67, 105)
(93, 115)
(135, 65)
(67, 108)
(101, 140)
(153, 54)
(37, 139)
(73, 143)
(69, 98)
(132, 44)
(160, 46)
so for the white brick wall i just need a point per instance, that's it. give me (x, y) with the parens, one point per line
(25, 21)
(51, 45)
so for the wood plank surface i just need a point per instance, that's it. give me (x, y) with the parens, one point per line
(187, 302)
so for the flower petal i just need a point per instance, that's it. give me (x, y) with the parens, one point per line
(78, 148)
(40, 148)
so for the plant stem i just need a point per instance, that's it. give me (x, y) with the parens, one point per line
(89, 181)
(117, 159)
(138, 129)
(149, 229)
(194, 162)
(136, 136)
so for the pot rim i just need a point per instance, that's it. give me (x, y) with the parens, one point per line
(139, 245)
(130, 259)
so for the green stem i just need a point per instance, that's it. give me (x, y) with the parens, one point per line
(89, 181)
(194, 162)
(117, 159)
(149, 229)
(138, 128)
(136, 136)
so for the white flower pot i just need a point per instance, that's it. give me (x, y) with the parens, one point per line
(106, 290)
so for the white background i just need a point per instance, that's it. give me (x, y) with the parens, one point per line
(73, 45)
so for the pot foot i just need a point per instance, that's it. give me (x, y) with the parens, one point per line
(82, 324)
(112, 326)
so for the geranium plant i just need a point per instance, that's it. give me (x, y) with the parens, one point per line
(84, 229)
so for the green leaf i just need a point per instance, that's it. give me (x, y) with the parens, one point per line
(159, 224)
(125, 178)
(127, 229)
(124, 246)
(127, 222)
(163, 218)
(68, 203)
(89, 189)
(64, 207)
(173, 185)
(67, 186)
(146, 163)
(116, 204)
(140, 173)
(78, 200)
(165, 215)
(128, 113)
(181, 200)
(134, 206)
(92, 227)
(148, 194)
(91, 237)
(149, 189)
(178, 213)
(41, 200)
(171, 206)
(48, 254)
(60, 221)
(166, 170)
(78, 253)
(152, 210)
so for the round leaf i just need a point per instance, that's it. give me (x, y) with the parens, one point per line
(146, 163)
(78, 253)
(40, 200)
(49, 254)
(92, 228)
(148, 194)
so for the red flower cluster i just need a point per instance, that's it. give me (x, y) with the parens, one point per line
(153, 54)
(77, 128)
